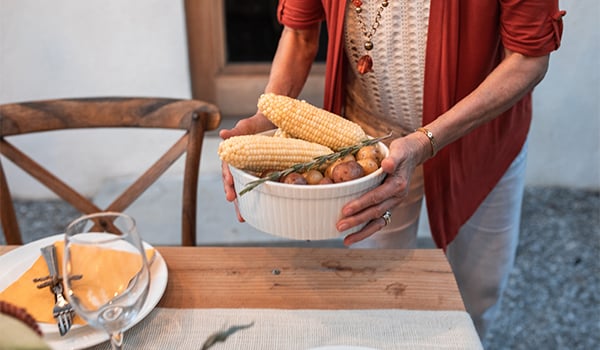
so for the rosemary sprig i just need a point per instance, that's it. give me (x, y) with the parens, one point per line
(315, 163)
(221, 336)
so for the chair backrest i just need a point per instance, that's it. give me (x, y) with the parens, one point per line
(193, 116)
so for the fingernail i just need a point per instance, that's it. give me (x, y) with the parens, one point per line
(343, 227)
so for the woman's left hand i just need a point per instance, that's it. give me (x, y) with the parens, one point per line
(405, 155)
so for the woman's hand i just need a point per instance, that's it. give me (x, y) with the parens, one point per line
(509, 82)
(252, 125)
(405, 155)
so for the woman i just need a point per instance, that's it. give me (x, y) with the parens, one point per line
(452, 81)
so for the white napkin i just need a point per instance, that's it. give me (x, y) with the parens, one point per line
(304, 329)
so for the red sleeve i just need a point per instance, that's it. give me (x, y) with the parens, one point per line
(531, 27)
(300, 14)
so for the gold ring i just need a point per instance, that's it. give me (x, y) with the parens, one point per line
(387, 217)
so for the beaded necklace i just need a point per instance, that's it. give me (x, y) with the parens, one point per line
(365, 62)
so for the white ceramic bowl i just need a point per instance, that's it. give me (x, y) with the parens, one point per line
(303, 212)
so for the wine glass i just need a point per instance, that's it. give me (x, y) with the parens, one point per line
(106, 276)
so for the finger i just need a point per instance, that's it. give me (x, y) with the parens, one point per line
(253, 125)
(404, 152)
(237, 211)
(235, 131)
(371, 228)
(228, 186)
(392, 188)
(365, 216)
(389, 164)
(395, 156)
(394, 185)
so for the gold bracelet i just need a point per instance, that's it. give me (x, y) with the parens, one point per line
(429, 135)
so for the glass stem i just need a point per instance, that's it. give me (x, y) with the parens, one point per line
(116, 340)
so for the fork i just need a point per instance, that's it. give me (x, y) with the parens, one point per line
(62, 310)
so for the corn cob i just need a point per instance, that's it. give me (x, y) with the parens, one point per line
(304, 121)
(260, 152)
(281, 133)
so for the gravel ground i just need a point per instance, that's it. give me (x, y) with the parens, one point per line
(553, 297)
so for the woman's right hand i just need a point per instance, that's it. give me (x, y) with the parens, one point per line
(252, 125)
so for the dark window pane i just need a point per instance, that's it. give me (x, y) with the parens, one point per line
(253, 31)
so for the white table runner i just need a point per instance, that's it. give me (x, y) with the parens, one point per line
(304, 329)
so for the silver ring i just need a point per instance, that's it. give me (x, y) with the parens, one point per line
(387, 217)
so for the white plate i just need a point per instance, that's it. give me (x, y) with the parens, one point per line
(17, 261)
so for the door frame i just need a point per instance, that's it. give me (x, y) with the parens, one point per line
(234, 87)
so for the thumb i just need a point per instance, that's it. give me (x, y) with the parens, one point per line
(393, 160)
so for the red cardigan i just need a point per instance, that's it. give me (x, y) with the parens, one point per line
(459, 56)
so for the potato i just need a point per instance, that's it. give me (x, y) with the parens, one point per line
(330, 167)
(313, 176)
(369, 165)
(294, 179)
(347, 171)
(371, 151)
(325, 181)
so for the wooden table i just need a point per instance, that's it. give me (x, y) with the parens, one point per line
(307, 278)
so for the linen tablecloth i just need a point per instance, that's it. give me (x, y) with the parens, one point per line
(304, 329)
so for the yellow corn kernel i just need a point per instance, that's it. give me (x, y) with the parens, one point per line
(281, 133)
(260, 152)
(302, 120)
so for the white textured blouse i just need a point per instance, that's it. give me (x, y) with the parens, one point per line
(393, 93)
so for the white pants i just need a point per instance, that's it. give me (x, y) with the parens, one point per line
(483, 253)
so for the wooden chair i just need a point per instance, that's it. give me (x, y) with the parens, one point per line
(193, 116)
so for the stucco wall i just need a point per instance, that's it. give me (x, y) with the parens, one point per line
(73, 48)
(565, 133)
(76, 48)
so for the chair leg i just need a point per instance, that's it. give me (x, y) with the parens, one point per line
(10, 226)
(190, 181)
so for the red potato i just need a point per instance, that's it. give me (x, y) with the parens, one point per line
(347, 171)
(294, 179)
(329, 170)
(325, 181)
